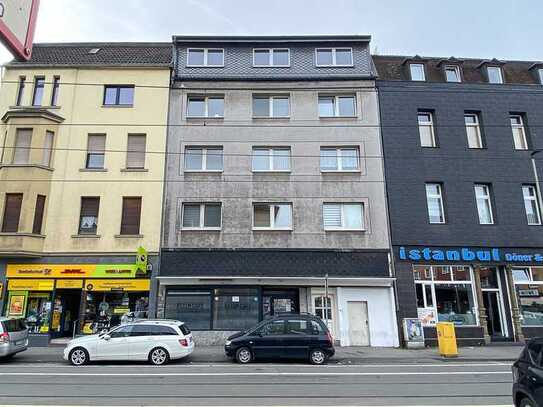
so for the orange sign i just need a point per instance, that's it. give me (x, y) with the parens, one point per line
(50, 270)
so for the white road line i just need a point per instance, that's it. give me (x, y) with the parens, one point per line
(49, 374)
(403, 405)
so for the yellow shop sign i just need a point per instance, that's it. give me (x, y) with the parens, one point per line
(50, 270)
(117, 285)
(31, 285)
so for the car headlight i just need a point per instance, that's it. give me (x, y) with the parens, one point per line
(228, 343)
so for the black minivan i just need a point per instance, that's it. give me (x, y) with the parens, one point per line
(288, 336)
(528, 375)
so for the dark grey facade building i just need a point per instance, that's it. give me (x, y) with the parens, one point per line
(461, 141)
(270, 190)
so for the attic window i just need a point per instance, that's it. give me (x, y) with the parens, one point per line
(417, 72)
(94, 51)
(452, 73)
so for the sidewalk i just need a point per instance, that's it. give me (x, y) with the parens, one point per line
(344, 356)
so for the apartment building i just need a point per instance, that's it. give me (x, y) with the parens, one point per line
(275, 198)
(81, 183)
(461, 140)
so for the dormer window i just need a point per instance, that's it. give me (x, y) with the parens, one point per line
(271, 57)
(334, 56)
(417, 72)
(205, 57)
(540, 74)
(452, 73)
(494, 74)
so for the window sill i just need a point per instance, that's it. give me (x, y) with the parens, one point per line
(128, 236)
(204, 66)
(336, 118)
(271, 66)
(93, 170)
(203, 118)
(272, 118)
(218, 172)
(271, 172)
(118, 106)
(340, 172)
(134, 170)
(86, 236)
(21, 234)
(43, 167)
(15, 107)
(272, 230)
(345, 230)
(200, 229)
(334, 66)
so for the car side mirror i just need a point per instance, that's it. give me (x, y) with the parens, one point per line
(106, 337)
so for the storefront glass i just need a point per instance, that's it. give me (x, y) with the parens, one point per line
(235, 309)
(38, 312)
(529, 289)
(193, 308)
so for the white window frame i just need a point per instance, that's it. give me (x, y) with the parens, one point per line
(430, 125)
(454, 68)
(271, 114)
(520, 127)
(477, 128)
(540, 73)
(206, 104)
(204, 158)
(530, 282)
(270, 58)
(202, 216)
(411, 65)
(532, 198)
(342, 228)
(272, 218)
(439, 196)
(205, 65)
(487, 197)
(271, 156)
(339, 158)
(336, 105)
(499, 70)
(334, 63)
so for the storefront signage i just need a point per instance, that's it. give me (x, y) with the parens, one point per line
(31, 285)
(467, 254)
(71, 270)
(115, 270)
(528, 293)
(73, 284)
(141, 260)
(117, 285)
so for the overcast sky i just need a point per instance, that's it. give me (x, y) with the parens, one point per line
(507, 29)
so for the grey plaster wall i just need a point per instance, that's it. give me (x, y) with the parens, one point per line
(305, 186)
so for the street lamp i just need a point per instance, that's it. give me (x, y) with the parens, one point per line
(536, 178)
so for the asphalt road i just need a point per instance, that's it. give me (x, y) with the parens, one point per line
(270, 384)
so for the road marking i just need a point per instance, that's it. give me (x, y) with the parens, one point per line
(403, 405)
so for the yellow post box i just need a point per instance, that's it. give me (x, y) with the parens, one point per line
(446, 339)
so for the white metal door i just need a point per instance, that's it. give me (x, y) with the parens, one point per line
(359, 332)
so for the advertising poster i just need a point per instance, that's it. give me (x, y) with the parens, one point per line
(16, 306)
(427, 316)
(413, 330)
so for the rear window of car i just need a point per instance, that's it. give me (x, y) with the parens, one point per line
(185, 329)
(14, 325)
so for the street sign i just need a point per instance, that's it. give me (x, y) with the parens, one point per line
(17, 26)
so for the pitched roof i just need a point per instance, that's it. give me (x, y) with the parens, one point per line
(514, 72)
(108, 54)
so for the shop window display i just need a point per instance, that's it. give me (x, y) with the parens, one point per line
(38, 312)
(529, 288)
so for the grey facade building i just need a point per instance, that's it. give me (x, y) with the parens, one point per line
(465, 204)
(274, 186)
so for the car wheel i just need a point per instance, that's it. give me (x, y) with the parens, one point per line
(79, 357)
(526, 403)
(159, 356)
(317, 357)
(244, 355)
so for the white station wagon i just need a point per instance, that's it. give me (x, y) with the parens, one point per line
(157, 341)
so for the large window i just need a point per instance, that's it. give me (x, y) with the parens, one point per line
(473, 130)
(529, 289)
(434, 200)
(131, 216)
(417, 72)
(334, 56)
(118, 95)
(88, 218)
(193, 308)
(12, 213)
(23, 142)
(39, 85)
(205, 57)
(343, 216)
(271, 159)
(38, 215)
(271, 106)
(339, 159)
(519, 132)
(494, 74)
(337, 106)
(531, 204)
(278, 57)
(135, 154)
(484, 204)
(205, 106)
(445, 294)
(201, 216)
(272, 216)
(426, 129)
(203, 158)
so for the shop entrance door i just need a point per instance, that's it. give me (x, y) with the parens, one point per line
(65, 312)
(495, 320)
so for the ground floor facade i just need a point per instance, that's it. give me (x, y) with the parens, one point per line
(219, 292)
(491, 294)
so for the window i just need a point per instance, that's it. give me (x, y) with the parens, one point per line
(23, 141)
(434, 201)
(473, 130)
(452, 73)
(271, 57)
(271, 159)
(494, 74)
(519, 132)
(191, 307)
(12, 213)
(203, 158)
(484, 204)
(37, 97)
(417, 72)
(235, 308)
(135, 155)
(323, 307)
(38, 215)
(96, 151)
(337, 106)
(20, 91)
(531, 204)
(131, 215)
(56, 88)
(201, 216)
(540, 72)
(426, 129)
(529, 289)
(47, 152)
(334, 56)
(343, 216)
(205, 106)
(340, 159)
(446, 295)
(271, 106)
(272, 216)
(205, 57)
(117, 95)
(122, 332)
(303, 327)
(88, 218)
(273, 328)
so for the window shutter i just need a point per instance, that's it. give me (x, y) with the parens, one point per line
(332, 215)
(48, 148)
(135, 157)
(130, 222)
(38, 214)
(97, 143)
(23, 140)
(12, 213)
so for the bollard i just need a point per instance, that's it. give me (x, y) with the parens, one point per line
(446, 339)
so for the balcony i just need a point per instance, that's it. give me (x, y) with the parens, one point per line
(21, 244)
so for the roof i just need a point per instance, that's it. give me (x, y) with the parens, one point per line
(271, 38)
(394, 67)
(109, 54)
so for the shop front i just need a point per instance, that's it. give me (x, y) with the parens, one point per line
(490, 294)
(65, 300)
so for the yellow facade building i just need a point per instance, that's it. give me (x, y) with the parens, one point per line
(82, 156)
